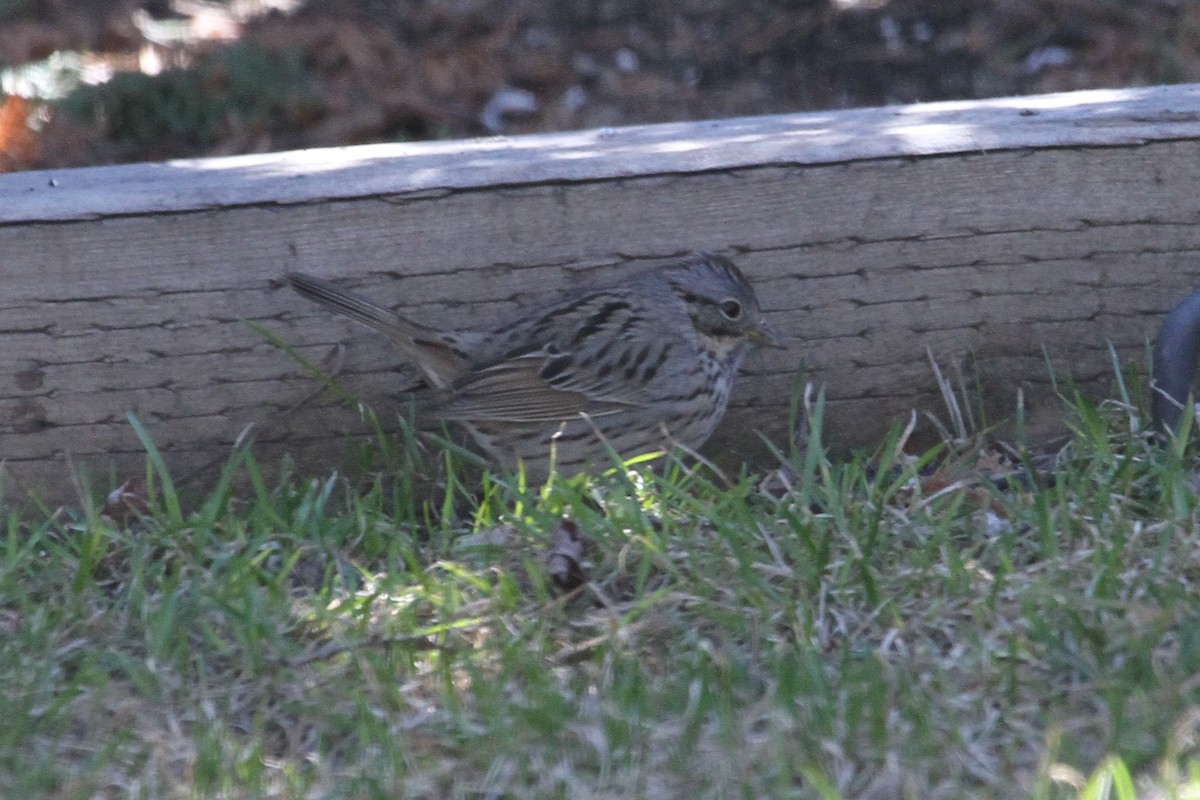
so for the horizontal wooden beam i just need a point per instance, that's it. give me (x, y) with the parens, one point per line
(1012, 229)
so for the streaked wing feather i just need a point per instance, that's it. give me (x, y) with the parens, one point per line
(515, 391)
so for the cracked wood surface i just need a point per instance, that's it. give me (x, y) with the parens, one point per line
(1017, 230)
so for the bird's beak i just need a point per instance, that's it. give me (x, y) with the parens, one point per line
(763, 335)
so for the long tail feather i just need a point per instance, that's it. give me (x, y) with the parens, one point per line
(357, 308)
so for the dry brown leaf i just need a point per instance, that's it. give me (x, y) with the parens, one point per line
(18, 142)
(565, 561)
(126, 502)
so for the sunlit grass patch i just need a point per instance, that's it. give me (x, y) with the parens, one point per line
(958, 623)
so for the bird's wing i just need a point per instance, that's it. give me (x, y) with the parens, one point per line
(594, 354)
(541, 386)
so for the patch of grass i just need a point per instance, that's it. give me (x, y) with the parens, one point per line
(236, 88)
(843, 629)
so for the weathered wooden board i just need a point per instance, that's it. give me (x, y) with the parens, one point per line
(997, 227)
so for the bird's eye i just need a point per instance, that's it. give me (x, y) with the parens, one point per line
(732, 309)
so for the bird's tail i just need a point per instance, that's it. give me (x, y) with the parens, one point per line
(435, 353)
(357, 308)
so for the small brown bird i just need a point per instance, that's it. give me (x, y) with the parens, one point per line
(634, 367)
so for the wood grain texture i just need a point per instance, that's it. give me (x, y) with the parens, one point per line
(1015, 230)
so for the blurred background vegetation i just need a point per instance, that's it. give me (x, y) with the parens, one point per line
(104, 81)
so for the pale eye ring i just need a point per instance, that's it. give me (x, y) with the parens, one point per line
(732, 309)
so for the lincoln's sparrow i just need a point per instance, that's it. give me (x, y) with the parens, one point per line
(635, 367)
